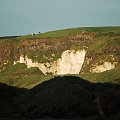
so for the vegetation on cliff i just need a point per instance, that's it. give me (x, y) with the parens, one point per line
(101, 43)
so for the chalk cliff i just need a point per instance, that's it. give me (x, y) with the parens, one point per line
(70, 62)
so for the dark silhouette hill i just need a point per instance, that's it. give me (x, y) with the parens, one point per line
(62, 97)
(7, 107)
(71, 97)
(8, 37)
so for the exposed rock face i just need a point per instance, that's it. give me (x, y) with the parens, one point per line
(70, 62)
(105, 66)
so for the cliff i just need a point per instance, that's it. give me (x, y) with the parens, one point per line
(69, 51)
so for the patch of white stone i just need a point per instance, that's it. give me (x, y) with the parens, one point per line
(6, 62)
(71, 62)
(104, 67)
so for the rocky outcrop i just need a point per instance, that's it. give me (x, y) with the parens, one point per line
(104, 67)
(71, 62)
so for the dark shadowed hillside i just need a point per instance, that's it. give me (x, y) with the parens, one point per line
(8, 109)
(62, 97)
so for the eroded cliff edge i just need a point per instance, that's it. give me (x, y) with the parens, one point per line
(80, 51)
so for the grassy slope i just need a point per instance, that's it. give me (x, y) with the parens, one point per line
(71, 31)
(112, 76)
(103, 37)
(21, 76)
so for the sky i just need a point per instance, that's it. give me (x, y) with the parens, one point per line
(20, 17)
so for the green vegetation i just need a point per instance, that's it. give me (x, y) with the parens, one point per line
(112, 76)
(36, 56)
(20, 76)
(53, 34)
(71, 31)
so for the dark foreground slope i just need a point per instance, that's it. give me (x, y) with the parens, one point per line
(63, 97)
(8, 109)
